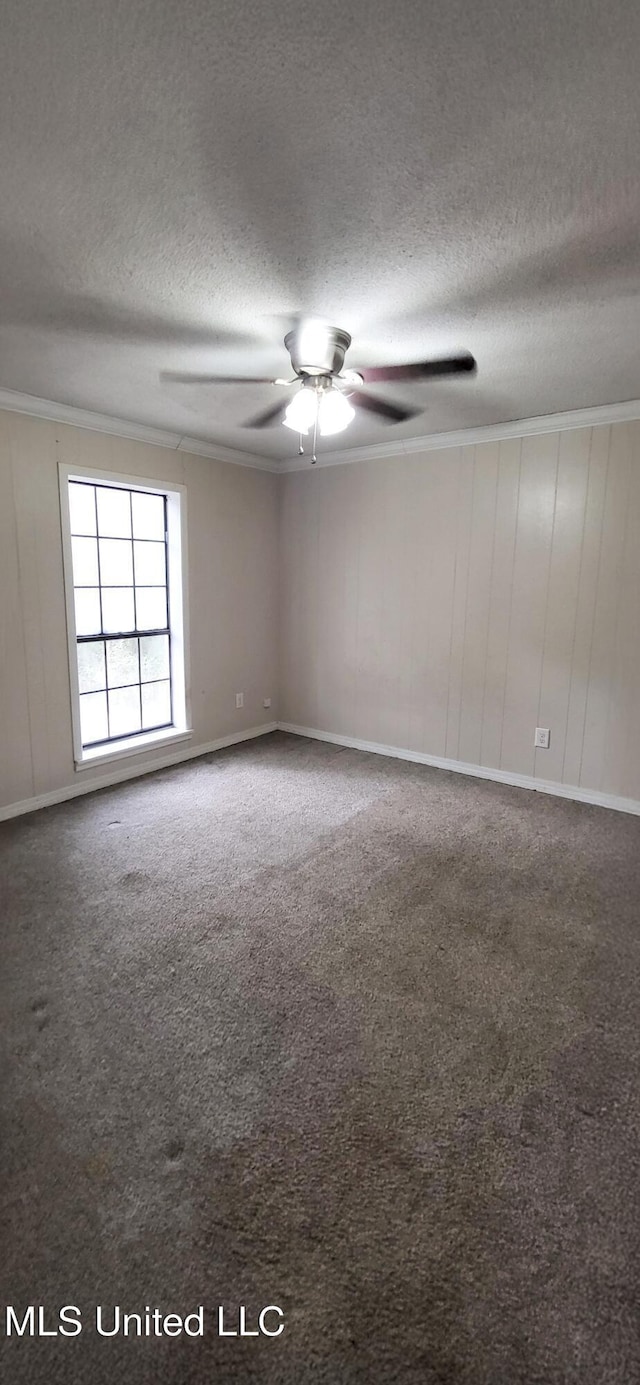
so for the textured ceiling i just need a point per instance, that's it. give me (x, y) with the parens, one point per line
(180, 180)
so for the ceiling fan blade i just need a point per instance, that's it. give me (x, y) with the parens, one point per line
(419, 370)
(179, 379)
(391, 413)
(273, 415)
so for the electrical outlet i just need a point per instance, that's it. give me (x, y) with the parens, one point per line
(267, 702)
(541, 738)
(239, 699)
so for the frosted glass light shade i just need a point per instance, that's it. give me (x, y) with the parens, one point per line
(335, 412)
(301, 412)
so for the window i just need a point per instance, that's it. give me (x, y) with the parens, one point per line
(123, 549)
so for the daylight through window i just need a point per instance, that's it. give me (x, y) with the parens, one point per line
(121, 600)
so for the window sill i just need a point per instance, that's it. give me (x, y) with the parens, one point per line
(133, 745)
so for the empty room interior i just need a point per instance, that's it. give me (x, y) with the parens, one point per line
(320, 693)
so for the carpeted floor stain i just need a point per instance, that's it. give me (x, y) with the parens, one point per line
(303, 1026)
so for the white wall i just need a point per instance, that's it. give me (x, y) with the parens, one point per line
(449, 602)
(232, 575)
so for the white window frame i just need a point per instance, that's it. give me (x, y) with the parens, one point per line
(176, 496)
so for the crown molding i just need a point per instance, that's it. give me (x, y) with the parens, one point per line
(198, 448)
(601, 414)
(15, 402)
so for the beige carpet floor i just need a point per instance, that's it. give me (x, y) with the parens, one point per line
(296, 1025)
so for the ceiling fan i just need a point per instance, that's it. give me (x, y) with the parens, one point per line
(329, 394)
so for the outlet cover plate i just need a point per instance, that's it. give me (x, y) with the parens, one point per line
(541, 738)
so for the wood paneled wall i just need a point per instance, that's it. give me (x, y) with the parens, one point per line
(449, 602)
(232, 515)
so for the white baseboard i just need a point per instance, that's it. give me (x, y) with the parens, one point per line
(123, 773)
(520, 781)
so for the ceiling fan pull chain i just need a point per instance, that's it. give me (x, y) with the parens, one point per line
(300, 446)
(315, 430)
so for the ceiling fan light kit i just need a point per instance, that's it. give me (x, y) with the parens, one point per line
(334, 412)
(317, 357)
(318, 402)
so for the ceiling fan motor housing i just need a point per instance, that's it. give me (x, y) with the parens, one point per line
(328, 351)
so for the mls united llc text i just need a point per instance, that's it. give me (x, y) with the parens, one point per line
(35, 1320)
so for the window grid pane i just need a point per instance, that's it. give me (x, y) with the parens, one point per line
(91, 674)
(82, 508)
(114, 512)
(122, 623)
